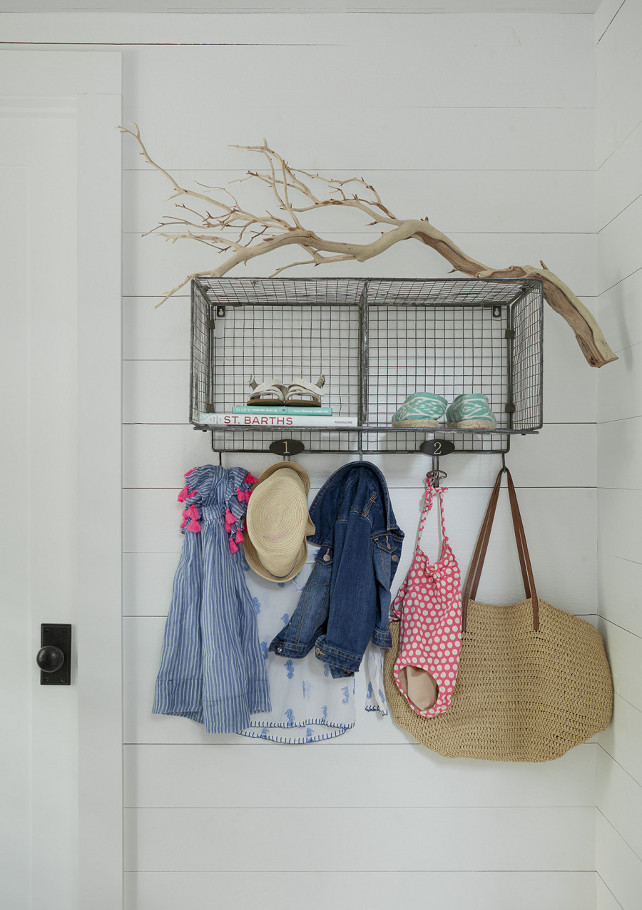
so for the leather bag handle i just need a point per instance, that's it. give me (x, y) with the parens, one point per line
(481, 547)
(522, 550)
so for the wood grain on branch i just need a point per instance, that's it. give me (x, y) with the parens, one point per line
(296, 194)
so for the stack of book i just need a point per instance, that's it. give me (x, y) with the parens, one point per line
(278, 416)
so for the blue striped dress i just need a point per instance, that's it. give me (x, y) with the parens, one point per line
(212, 669)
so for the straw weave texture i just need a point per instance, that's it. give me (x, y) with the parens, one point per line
(278, 522)
(520, 695)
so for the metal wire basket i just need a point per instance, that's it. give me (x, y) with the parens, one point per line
(376, 341)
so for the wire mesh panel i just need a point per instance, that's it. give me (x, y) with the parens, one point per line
(259, 440)
(445, 337)
(526, 358)
(201, 366)
(285, 330)
(376, 341)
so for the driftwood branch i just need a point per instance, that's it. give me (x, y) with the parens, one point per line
(243, 235)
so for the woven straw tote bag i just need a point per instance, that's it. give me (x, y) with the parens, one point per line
(533, 681)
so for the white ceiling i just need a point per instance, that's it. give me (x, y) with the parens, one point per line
(299, 6)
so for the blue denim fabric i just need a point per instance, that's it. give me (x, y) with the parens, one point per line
(346, 600)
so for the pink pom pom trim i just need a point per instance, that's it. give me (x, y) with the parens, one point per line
(193, 526)
(230, 519)
(233, 547)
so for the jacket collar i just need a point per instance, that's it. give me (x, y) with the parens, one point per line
(324, 508)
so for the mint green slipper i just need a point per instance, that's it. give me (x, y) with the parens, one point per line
(472, 412)
(423, 409)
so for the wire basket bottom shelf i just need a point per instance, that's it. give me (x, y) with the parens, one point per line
(367, 440)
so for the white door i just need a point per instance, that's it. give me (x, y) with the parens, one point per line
(60, 790)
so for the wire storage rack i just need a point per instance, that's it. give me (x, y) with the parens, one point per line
(376, 341)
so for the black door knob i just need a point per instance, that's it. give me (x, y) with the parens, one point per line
(50, 659)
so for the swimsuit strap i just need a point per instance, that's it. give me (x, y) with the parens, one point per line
(440, 492)
(428, 501)
(427, 506)
(429, 495)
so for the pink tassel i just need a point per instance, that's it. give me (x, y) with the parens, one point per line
(193, 526)
(192, 512)
(250, 478)
(182, 496)
(183, 523)
(239, 536)
(229, 521)
(243, 495)
(187, 473)
(233, 547)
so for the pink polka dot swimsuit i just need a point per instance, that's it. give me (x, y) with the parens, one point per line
(428, 604)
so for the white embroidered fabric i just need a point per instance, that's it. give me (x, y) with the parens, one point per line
(308, 705)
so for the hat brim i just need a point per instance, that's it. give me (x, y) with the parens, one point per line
(257, 566)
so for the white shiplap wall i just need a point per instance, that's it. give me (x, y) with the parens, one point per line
(485, 123)
(619, 284)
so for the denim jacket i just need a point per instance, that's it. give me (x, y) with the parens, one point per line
(346, 600)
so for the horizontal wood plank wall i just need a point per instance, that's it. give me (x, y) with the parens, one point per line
(485, 124)
(619, 281)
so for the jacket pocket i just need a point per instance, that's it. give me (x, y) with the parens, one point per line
(386, 550)
(322, 571)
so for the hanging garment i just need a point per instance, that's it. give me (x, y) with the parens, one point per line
(429, 606)
(308, 704)
(346, 601)
(212, 669)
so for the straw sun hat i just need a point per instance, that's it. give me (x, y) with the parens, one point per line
(278, 522)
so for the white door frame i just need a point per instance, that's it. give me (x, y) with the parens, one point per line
(93, 80)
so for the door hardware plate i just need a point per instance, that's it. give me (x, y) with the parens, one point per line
(58, 635)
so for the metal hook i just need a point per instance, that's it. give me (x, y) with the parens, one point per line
(434, 476)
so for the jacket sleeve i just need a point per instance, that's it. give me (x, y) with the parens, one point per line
(354, 602)
(309, 620)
